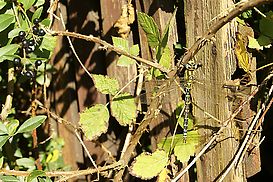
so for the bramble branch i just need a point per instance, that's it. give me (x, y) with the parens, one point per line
(108, 46)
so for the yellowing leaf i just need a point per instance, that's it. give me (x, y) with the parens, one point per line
(124, 109)
(163, 175)
(147, 166)
(254, 44)
(241, 52)
(164, 61)
(94, 121)
(105, 84)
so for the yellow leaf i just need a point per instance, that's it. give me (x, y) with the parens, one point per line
(241, 52)
(163, 175)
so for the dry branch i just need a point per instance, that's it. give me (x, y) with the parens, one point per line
(108, 46)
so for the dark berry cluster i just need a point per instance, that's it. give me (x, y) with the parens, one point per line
(28, 44)
(29, 74)
(36, 30)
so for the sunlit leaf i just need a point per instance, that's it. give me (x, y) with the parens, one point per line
(5, 21)
(39, 3)
(48, 42)
(35, 174)
(163, 175)
(241, 52)
(182, 150)
(121, 43)
(9, 179)
(124, 109)
(12, 126)
(94, 121)
(105, 84)
(3, 140)
(13, 33)
(3, 129)
(147, 166)
(28, 163)
(8, 50)
(126, 61)
(37, 13)
(27, 3)
(31, 124)
(2, 4)
(164, 61)
(254, 44)
(150, 28)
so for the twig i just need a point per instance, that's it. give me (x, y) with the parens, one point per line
(63, 173)
(106, 45)
(10, 88)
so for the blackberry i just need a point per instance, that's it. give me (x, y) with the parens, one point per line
(38, 63)
(29, 50)
(36, 21)
(22, 34)
(16, 61)
(35, 30)
(29, 74)
(31, 42)
(41, 32)
(25, 43)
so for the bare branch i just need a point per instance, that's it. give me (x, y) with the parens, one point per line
(106, 45)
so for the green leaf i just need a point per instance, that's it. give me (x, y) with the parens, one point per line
(46, 22)
(13, 33)
(121, 43)
(264, 40)
(266, 25)
(39, 3)
(1, 161)
(48, 43)
(28, 163)
(124, 109)
(167, 30)
(34, 174)
(2, 4)
(182, 150)
(164, 61)
(94, 121)
(12, 126)
(3, 140)
(150, 28)
(5, 21)
(37, 13)
(31, 124)
(27, 3)
(147, 166)
(254, 44)
(247, 14)
(9, 178)
(126, 61)
(43, 79)
(105, 84)
(8, 50)
(3, 129)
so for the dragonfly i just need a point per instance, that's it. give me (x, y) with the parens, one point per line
(185, 84)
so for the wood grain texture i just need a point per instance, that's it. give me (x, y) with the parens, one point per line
(219, 64)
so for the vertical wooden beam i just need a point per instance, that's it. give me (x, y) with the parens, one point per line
(219, 64)
(64, 98)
